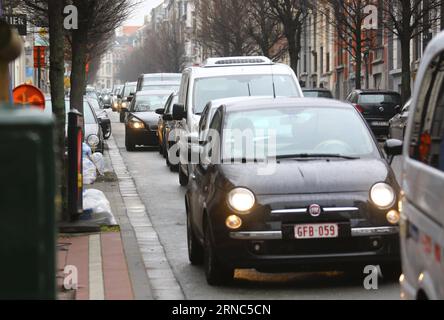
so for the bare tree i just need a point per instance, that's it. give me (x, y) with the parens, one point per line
(407, 20)
(348, 21)
(222, 27)
(264, 28)
(292, 15)
(97, 21)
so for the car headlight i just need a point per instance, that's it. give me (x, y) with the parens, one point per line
(124, 105)
(241, 200)
(383, 195)
(93, 140)
(136, 124)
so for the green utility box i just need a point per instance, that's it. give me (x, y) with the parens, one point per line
(27, 206)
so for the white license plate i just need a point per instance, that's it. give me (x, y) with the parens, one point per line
(316, 231)
(380, 124)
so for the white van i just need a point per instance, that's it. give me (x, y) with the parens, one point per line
(220, 78)
(422, 214)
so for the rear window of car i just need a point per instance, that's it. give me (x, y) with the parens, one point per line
(379, 98)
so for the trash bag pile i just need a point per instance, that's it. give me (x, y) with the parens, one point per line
(97, 208)
(93, 164)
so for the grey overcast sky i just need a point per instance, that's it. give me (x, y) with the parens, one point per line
(143, 9)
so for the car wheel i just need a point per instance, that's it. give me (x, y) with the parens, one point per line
(195, 249)
(216, 273)
(183, 179)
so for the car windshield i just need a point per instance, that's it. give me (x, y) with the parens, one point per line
(208, 89)
(95, 104)
(147, 79)
(161, 87)
(317, 94)
(296, 132)
(87, 112)
(149, 103)
(379, 99)
(128, 90)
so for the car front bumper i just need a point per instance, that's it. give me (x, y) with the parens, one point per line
(143, 137)
(271, 251)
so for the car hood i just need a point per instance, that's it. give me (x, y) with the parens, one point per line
(151, 118)
(309, 177)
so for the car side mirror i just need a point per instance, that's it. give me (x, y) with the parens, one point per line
(160, 111)
(179, 112)
(393, 148)
(398, 109)
(119, 96)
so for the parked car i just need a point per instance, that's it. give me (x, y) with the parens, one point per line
(377, 107)
(398, 124)
(93, 134)
(221, 78)
(146, 79)
(163, 127)
(101, 114)
(329, 204)
(141, 121)
(317, 93)
(128, 91)
(422, 214)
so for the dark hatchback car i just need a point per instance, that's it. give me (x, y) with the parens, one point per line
(166, 127)
(141, 120)
(377, 107)
(329, 202)
(317, 93)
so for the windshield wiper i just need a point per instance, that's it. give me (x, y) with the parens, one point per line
(316, 155)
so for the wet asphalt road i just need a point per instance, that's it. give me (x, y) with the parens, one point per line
(160, 191)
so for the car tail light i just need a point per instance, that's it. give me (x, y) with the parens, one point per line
(359, 108)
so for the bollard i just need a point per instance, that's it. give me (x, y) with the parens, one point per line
(75, 165)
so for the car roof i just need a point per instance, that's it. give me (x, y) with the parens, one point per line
(285, 103)
(155, 75)
(154, 92)
(161, 83)
(245, 69)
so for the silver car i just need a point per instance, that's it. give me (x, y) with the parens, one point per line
(93, 134)
(422, 214)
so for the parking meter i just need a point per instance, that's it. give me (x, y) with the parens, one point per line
(75, 165)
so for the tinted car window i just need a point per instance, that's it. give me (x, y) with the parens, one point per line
(317, 94)
(379, 98)
(160, 87)
(208, 89)
(298, 131)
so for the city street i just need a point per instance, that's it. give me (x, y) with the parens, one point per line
(164, 199)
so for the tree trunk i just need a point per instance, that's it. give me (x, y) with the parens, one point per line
(406, 73)
(56, 78)
(78, 72)
(358, 59)
(293, 49)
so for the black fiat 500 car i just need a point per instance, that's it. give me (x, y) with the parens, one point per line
(142, 120)
(322, 195)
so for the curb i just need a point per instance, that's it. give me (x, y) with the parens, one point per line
(163, 283)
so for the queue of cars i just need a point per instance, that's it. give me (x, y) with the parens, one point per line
(332, 201)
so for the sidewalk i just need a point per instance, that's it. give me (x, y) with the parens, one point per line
(109, 263)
